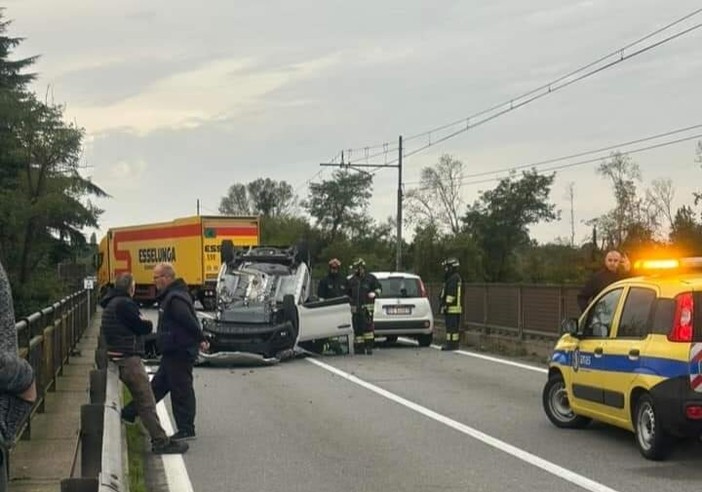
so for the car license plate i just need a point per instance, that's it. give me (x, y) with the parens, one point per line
(398, 310)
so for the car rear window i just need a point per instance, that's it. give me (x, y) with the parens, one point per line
(400, 287)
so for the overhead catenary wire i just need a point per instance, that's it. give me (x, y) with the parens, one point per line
(476, 119)
(576, 155)
(572, 164)
(615, 53)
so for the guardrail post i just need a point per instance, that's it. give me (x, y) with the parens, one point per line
(79, 485)
(98, 385)
(91, 427)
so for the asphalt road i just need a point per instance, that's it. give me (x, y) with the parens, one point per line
(407, 419)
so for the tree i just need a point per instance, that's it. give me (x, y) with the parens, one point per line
(633, 220)
(437, 201)
(339, 205)
(686, 232)
(660, 196)
(262, 196)
(499, 221)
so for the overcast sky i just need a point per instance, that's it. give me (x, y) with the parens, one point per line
(180, 99)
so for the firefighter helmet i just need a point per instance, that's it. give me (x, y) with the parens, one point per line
(358, 263)
(451, 263)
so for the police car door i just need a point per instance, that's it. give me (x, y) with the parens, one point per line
(590, 357)
(626, 349)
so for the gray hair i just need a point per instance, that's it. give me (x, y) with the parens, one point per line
(124, 282)
(167, 269)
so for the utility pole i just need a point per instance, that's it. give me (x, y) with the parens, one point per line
(398, 166)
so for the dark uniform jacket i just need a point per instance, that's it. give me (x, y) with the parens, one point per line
(451, 296)
(333, 285)
(122, 327)
(599, 280)
(178, 329)
(359, 287)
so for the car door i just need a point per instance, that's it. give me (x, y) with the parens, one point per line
(626, 349)
(329, 318)
(590, 359)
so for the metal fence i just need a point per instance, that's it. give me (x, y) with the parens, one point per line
(519, 309)
(47, 338)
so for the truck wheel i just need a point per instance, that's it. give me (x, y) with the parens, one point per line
(653, 441)
(557, 407)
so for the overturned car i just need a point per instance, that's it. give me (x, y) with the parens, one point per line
(264, 311)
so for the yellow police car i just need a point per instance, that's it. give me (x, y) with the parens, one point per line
(633, 357)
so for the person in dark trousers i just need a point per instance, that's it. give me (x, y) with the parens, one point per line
(334, 284)
(178, 336)
(123, 329)
(451, 302)
(362, 290)
(616, 267)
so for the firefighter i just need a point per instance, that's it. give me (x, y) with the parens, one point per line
(362, 290)
(451, 302)
(334, 284)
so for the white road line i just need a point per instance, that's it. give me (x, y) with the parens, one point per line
(506, 362)
(552, 468)
(173, 464)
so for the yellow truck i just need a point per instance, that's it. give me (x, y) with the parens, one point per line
(191, 244)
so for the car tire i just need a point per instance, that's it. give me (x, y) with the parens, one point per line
(652, 440)
(290, 313)
(555, 401)
(425, 340)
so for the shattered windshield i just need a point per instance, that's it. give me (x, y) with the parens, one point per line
(256, 283)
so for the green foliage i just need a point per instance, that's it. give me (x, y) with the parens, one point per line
(135, 453)
(263, 196)
(686, 232)
(44, 200)
(339, 205)
(499, 221)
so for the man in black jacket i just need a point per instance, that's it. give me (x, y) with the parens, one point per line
(123, 329)
(334, 284)
(178, 337)
(616, 267)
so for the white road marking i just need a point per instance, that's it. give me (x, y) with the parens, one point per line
(173, 464)
(527, 457)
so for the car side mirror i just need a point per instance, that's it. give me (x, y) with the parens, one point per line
(570, 326)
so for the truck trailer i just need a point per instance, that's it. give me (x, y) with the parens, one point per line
(191, 244)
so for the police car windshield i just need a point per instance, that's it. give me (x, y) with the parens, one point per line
(399, 287)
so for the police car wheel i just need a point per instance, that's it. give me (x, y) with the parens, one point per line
(652, 440)
(557, 407)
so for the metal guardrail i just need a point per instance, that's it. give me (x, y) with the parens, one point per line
(46, 339)
(101, 439)
(519, 310)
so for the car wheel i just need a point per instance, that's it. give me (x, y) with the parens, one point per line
(653, 441)
(425, 340)
(557, 406)
(290, 313)
(391, 338)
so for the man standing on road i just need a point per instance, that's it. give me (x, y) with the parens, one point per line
(362, 289)
(334, 284)
(178, 337)
(123, 329)
(451, 302)
(616, 267)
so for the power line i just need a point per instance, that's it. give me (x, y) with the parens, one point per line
(578, 163)
(618, 52)
(551, 90)
(576, 155)
(557, 84)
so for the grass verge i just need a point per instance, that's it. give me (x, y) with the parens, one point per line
(135, 451)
